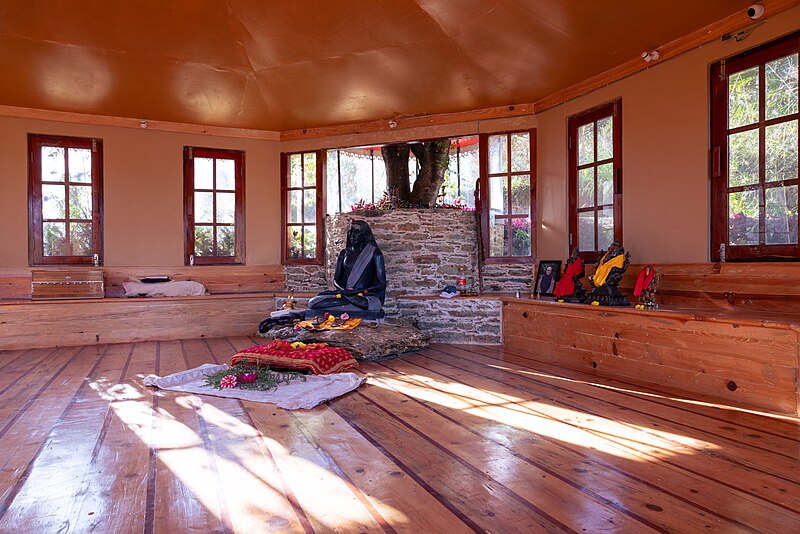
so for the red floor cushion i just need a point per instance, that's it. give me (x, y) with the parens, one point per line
(318, 358)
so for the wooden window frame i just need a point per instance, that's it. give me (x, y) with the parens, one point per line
(718, 152)
(613, 108)
(189, 153)
(483, 147)
(36, 255)
(322, 207)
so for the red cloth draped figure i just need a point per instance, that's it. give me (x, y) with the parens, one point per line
(569, 287)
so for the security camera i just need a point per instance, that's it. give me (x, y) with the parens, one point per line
(755, 11)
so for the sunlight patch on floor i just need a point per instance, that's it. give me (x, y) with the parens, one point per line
(542, 418)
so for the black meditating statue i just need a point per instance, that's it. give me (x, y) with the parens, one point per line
(610, 267)
(359, 280)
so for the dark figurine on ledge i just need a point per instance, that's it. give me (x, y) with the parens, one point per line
(359, 279)
(646, 286)
(610, 268)
(569, 288)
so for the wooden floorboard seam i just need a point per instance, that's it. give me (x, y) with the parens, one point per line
(664, 460)
(593, 494)
(14, 491)
(650, 415)
(211, 452)
(657, 397)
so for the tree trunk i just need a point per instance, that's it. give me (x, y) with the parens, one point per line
(433, 158)
(395, 158)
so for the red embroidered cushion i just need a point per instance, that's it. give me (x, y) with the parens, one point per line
(318, 358)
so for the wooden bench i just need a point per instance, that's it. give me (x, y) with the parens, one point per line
(725, 331)
(241, 296)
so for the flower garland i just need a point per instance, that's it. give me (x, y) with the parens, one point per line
(249, 376)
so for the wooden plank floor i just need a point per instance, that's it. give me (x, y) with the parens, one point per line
(452, 439)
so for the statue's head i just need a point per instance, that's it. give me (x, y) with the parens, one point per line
(359, 235)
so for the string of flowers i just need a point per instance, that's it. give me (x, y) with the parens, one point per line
(245, 375)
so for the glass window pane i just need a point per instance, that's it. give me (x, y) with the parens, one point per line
(80, 201)
(54, 237)
(498, 153)
(333, 183)
(309, 169)
(203, 173)
(80, 239)
(586, 231)
(781, 82)
(379, 176)
(781, 151)
(80, 165)
(295, 207)
(53, 202)
(203, 207)
(521, 237)
(497, 236)
(294, 237)
(605, 228)
(310, 206)
(743, 158)
(520, 152)
(498, 195)
(743, 218)
(586, 187)
(226, 207)
(470, 170)
(52, 164)
(520, 195)
(310, 242)
(295, 170)
(225, 240)
(586, 144)
(203, 241)
(605, 138)
(781, 211)
(352, 169)
(605, 184)
(226, 174)
(743, 98)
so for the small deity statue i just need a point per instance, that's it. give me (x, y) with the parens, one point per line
(569, 288)
(359, 279)
(645, 289)
(608, 273)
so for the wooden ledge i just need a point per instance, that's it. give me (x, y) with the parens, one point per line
(768, 319)
(110, 300)
(482, 296)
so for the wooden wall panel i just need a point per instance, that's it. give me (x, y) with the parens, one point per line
(67, 323)
(745, 361)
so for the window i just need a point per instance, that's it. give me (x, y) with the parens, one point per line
(65, 200)
(754, 136)
(595, 179)
(214, 206)
(354, 175)
(508, 193)
(358, 175)
(302, 194)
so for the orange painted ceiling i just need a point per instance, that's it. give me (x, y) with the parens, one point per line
(289, 64)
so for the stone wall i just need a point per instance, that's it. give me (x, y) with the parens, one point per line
(467, 320)
(423, 249)
(305, 278)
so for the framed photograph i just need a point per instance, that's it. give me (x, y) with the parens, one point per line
(546, 277)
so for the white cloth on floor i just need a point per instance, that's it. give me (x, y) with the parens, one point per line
(175, 288)
(315, 390)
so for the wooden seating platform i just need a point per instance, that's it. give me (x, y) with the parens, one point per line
(241, 296)
(728, 331)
